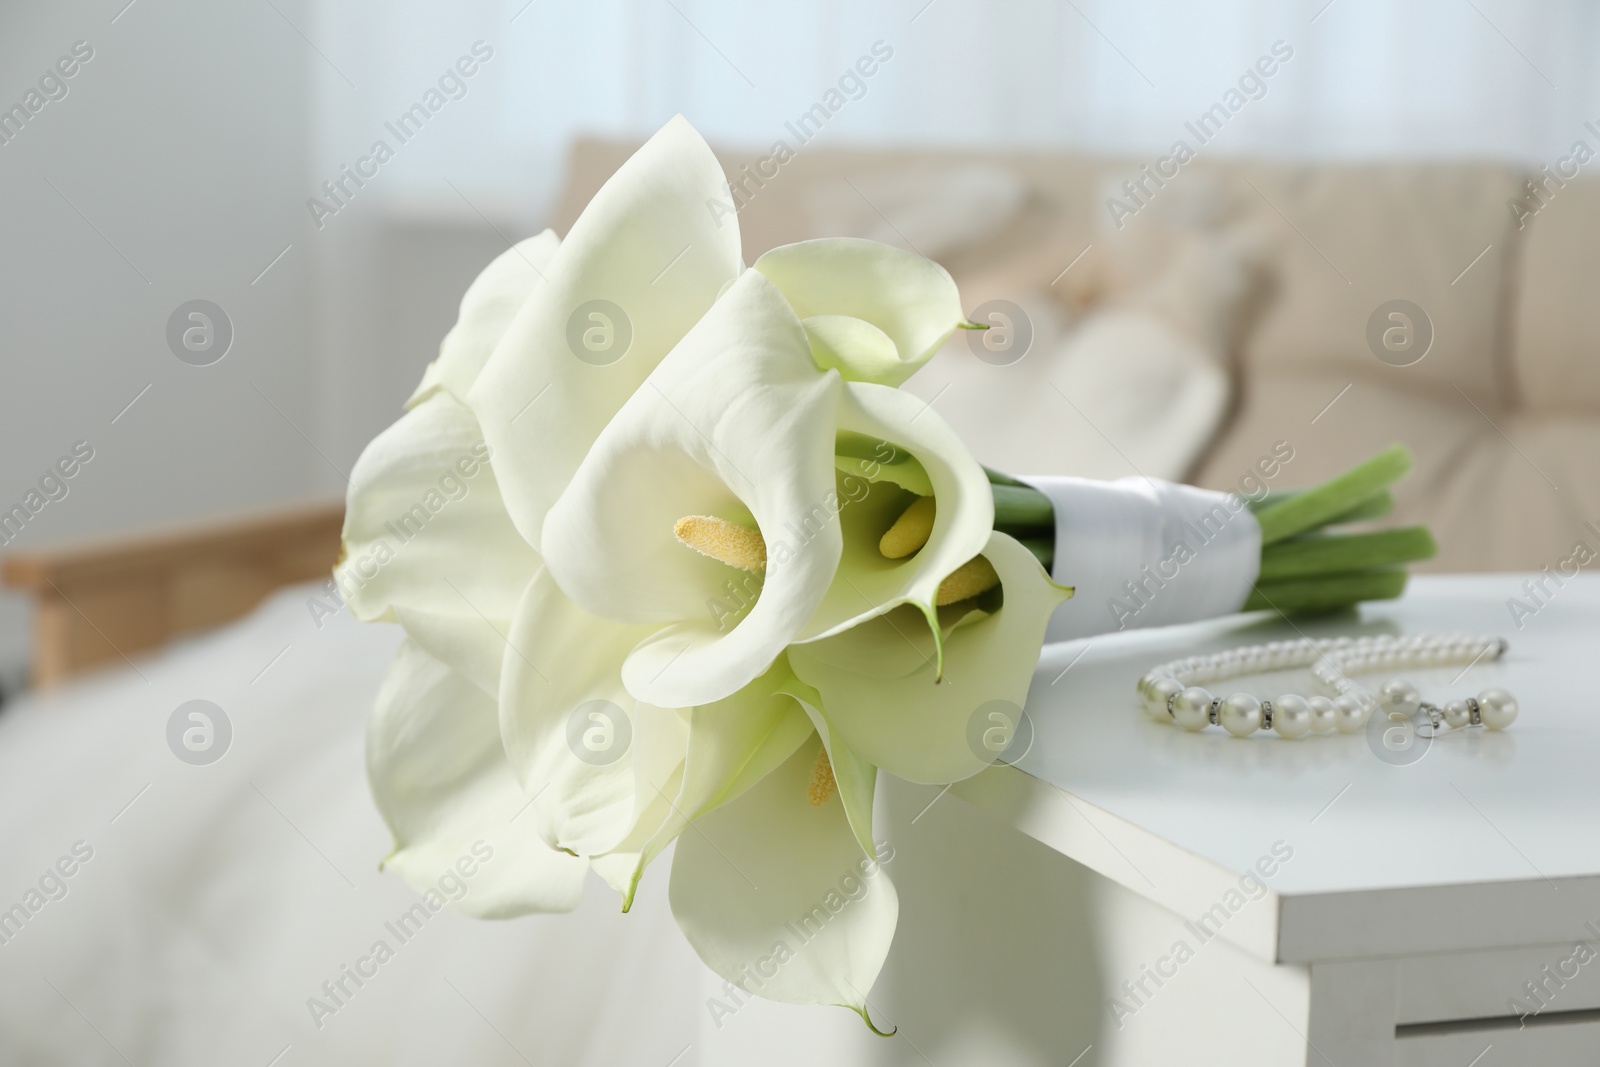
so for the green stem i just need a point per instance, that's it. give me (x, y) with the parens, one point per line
(1314, 507)
(1375, 506)
(1303, 557)
(1020, 506)
(1327, 592)
(1001, 478)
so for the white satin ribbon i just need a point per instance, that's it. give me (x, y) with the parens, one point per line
(1143, 552)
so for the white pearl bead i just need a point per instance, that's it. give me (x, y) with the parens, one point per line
(1291, 716)
(1497, 708)
(1322, 712)
(1457, 714)
(1349, 714)
(1191, 709)
(1155, 701)
(1399, 698)
(1240, 715)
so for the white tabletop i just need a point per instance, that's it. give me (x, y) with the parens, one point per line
(1499, 832)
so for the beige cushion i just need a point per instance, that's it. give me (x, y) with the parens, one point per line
(1508, 469)
(1557, 320)
(1347, 239)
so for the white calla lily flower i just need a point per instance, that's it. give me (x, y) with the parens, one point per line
(567, 723)
(776, 895)
(440, 778)
(428, 543)
(868, 583)
(732, 744)
(633, 523)
(737, 421)
(874, 312)
(648, 259)
(915, 724)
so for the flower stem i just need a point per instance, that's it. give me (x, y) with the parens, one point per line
(1326, 592)
(1017, 506)
(1337, 496)
(1316, 554)
(1375, 506)
(1001, 478)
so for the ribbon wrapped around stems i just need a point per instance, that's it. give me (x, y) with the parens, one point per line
(1143, 552)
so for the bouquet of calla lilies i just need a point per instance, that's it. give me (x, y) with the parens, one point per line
(671, 550)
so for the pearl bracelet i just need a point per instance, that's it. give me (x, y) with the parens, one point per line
(1170, 692)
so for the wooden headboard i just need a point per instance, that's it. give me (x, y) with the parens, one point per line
(108, 600)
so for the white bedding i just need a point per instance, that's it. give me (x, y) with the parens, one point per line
(216, 900)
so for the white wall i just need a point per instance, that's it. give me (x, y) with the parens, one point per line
(182, 148)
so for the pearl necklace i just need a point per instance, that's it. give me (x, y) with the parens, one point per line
(1170, 692)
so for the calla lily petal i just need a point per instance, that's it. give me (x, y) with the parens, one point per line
(648, 257)
(854, 347)
(907, 474)
(868, 583)
(910, 300)
(917, 645)
(621, 866)
(490, 303)
(736, 422)
(617, 869)
(427, 540)
(571, 732)
(922, 731)
(441, 781)
(777, 897)
(854, 778)
(472, 645)
(733, 744)
(660, 750)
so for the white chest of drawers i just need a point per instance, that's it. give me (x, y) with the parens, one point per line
(1203, 900)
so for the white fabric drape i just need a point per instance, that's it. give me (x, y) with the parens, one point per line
(1424, 77)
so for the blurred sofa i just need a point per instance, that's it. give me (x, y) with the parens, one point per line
(1502, 411)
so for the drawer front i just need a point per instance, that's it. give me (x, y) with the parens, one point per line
(1535, 981)
(1553, 1041)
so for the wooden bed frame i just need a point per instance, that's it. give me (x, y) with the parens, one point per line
(111, 599)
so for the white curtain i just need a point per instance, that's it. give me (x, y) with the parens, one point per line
(1496, 78)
